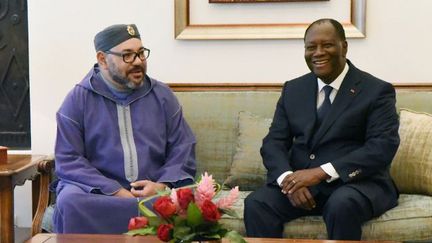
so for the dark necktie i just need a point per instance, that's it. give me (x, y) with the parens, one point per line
(325, 106)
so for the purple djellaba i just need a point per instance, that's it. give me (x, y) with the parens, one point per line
(121, 136)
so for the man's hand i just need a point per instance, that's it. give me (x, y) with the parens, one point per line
(303, 178)
(123, 193)
(147, 188)
(302, 198)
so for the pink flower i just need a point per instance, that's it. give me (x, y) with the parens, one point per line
(174, 198)
(176, 224)
(137, 223)
(228, 201)
(205, 190)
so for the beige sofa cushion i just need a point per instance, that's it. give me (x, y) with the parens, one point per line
(247, 170)
(412, 166)
(411, 219)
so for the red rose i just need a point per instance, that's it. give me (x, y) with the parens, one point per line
(164, 206)
(164, 232)
(184, 197)
(210, 211)
(137, 223)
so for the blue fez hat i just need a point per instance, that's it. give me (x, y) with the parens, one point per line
(114, 35)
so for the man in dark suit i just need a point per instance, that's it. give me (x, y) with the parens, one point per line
(329, 148)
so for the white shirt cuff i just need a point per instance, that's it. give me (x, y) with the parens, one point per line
(281, 177)
(330, 170)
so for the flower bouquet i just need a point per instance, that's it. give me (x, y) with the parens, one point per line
(187, 214)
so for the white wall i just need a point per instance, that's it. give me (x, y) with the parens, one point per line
(397, 48)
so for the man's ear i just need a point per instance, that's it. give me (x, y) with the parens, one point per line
(100, 56)
(345, 48)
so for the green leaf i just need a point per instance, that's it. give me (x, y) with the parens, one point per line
(212, 228)
(194, 216)
(211, 236)
(154, 221)
(234, 237)
(186, 238)
(182, 232)
(222, 232)
(144, 210)
(230, 212)
(164, 192)
(180, 221)
(142, 231)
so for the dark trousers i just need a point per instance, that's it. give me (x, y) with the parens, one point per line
(344, 211)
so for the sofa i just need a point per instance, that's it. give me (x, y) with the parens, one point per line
(230, 120)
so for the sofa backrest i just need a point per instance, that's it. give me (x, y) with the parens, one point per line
(212, 112)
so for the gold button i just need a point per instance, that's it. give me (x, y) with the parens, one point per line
(312, 156)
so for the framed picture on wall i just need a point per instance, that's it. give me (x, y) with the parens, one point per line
(260, 1)
(225, 22)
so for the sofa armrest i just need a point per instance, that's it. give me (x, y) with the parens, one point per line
(40, 192)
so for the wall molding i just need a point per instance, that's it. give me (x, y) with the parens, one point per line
(199, 87)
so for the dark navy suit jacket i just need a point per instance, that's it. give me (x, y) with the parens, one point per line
(359, 136)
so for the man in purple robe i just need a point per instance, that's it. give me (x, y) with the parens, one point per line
(121, 136)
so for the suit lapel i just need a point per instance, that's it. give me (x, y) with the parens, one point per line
(349, 89)
(309, 106)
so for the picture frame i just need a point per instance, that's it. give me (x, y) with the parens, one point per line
(355, 28)
(260, 1)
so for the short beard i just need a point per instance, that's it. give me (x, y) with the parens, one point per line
(122, 80)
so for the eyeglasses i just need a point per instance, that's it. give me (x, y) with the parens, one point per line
(129, 57)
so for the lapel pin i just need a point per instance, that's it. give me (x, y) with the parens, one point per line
(352, 91)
